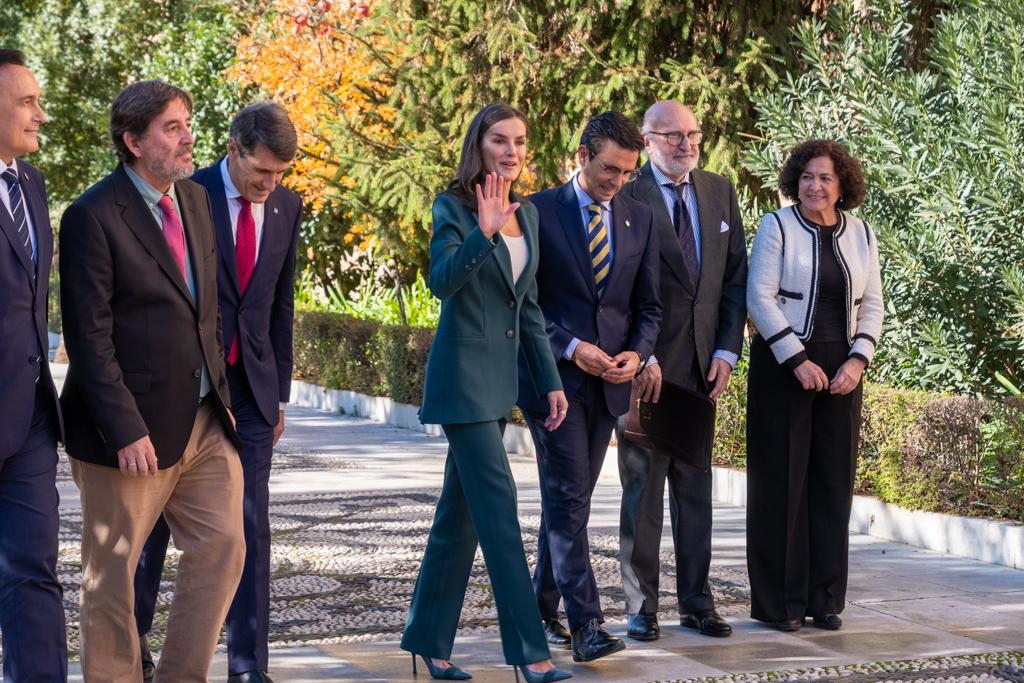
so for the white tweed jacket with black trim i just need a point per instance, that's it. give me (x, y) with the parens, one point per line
(782, 285)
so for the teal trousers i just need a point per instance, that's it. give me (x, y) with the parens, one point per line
(477, 504)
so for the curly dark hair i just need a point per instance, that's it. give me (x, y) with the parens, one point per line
(852, 186)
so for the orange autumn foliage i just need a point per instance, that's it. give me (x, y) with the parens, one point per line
(304, 56)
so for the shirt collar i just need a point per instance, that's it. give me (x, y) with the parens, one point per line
(229, 186)
(585, 199)
(149, 193)
(14, 165)
(662, 179)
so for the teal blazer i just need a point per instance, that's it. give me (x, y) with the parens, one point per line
(472, 367)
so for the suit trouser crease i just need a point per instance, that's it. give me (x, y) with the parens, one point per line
(569, 462)
(31, 603)
(643, 473)
(801, 465)
(477, 504)
(201, 499)
(248, 619)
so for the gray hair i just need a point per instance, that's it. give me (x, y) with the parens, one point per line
(266, 124)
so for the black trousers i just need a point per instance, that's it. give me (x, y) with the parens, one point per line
(801, 463)
(643, 473)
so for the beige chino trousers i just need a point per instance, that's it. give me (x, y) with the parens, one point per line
(201, 499)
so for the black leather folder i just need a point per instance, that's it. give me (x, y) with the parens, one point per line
(681, 424)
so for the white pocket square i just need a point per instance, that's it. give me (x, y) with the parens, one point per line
(724, 227)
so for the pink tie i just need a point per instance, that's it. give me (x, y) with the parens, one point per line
(173, 232)
(245, 259)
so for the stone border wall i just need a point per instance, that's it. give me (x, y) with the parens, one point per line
(992, 541)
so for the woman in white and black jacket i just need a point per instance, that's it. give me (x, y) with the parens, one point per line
(814, 294)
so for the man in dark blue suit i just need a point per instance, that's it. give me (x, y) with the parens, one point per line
(257, 223)
(598, 288)
(31, 600)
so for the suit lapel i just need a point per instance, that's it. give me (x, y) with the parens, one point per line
(141, 222)
(571, 220)
(214, 184)
(193, 237)
(37, 208)
(710, 220)
(622, 223)
(11, 232)
(271, 229)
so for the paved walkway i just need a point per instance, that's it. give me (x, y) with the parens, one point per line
(351, 503)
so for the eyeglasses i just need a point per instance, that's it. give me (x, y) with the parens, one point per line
(615, 170)
(675, 137)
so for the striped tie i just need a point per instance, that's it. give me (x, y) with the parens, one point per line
(600, 254)
(18, 211)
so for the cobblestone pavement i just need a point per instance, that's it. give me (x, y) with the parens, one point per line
(352, 500)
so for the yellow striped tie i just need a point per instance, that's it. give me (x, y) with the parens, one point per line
(600, 252)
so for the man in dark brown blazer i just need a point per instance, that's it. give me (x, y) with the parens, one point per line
(146, 403)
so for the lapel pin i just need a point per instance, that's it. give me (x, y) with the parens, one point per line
(275, 209)
(25, 173)
(627, 222)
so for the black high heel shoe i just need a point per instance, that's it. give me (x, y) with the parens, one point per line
(548, 676)
(452, 673)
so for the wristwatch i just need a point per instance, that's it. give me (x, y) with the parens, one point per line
(643, 361)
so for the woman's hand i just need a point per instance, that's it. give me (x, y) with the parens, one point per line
(492, 207)
(558, 408)
(848, 376)
(811, 376)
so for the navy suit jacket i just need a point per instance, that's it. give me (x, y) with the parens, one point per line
(24, 342)
(263, 314)
(626, 317)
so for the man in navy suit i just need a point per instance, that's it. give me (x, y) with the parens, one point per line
(31, 600)
(257, 224)
(598, 288)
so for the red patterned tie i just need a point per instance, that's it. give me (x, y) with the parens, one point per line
(173, 232)
(245, 259)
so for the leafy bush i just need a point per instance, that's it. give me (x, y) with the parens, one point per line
(924, 451)
(941, 146)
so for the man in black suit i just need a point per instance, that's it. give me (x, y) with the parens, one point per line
(703, 283)
(146, 402)
(257, 223)
(31, 604)
(598, 287)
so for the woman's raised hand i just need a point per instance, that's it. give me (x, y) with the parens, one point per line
(492, 207)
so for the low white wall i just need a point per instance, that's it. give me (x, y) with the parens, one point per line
(980, 539)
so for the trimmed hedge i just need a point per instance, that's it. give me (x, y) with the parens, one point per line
(923, 451)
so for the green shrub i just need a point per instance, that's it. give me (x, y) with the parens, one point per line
(400, 354)
(941, 146)
(923, 451)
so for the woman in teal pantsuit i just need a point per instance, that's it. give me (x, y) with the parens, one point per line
(483, 255)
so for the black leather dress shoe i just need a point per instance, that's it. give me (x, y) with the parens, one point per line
(829, 622)
(788, 625)
(643, 627)
(557, 634)
(707, 622)
(148, 666)
(591, 641)
(251, 677)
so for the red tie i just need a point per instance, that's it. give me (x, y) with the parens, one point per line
(245, 259)
(173, 232)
